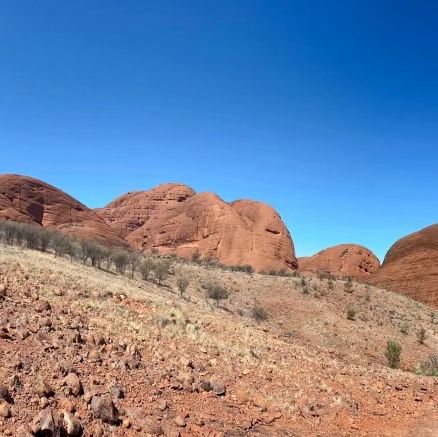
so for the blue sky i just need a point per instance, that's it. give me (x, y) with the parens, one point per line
(327, 110)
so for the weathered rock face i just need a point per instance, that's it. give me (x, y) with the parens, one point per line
(411, 266)
(173, 218)
(30, 200)
(343, 260)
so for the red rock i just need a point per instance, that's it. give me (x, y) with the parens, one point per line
(30, 200)
(411, 266)
(174, 219)
(103, 408)
(343, 260)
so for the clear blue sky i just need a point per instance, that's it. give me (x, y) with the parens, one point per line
(327, 110)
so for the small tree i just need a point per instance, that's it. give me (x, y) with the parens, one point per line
(45, 238)
(60, 244)
(217, 292)
(182, 283)
(421, 335)
(107, 257)
(259, 314)
(30, 235)
(97, 254)
(71, 249)
(146, 268)
(121, 261)
(134, 261)
(85, 250)
(392, 354)
(10, 232)
(162, 270)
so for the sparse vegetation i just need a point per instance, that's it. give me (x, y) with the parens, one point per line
(392, 354)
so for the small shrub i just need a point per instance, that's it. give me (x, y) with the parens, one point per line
(259, 314)
(323, 274)
(196, 256)
(429, 367)
(351, 313)
(421, 335)
(304, 286)
(330, 284)
(212, 262)
(404, 328)
(217, 292)
(392, 354)
(246, 268)
(348, 285)
(182, 282)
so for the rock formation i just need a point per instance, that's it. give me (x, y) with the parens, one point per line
(30, 200)
(172, 218)
(411, 266)
(344, 260)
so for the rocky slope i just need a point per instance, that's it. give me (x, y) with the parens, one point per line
(88, 351)
(173, 218)
(344, 260)
(411, 266)
(31, 200)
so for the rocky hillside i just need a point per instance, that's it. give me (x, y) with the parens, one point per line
(88, 351)
(30, 200)
(411, 266)
(172, 218)
(344, 260)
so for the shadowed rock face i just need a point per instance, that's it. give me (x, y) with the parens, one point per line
(173, 218)
(343, 260)
(411, 266)
(30, 200)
